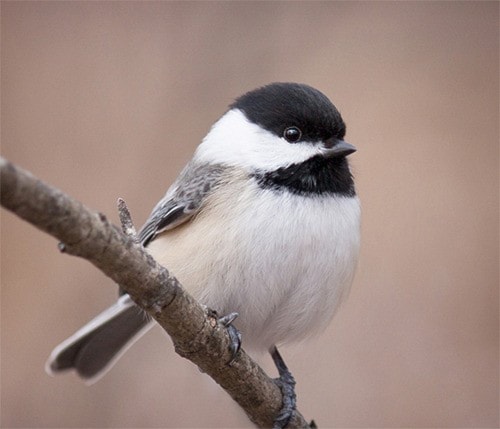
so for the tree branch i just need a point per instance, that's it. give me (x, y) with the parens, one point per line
(195, 333)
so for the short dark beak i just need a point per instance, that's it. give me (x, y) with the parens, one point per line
(335, 148)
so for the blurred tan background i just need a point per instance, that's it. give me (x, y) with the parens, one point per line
(109, 99)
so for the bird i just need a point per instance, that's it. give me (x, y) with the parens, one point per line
(263, 223)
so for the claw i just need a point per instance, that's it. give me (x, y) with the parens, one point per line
(228, 319)
(286, 382)
(234, 334)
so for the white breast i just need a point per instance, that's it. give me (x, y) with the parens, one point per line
(283, 262)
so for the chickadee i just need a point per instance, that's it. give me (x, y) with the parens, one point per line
(263, 221)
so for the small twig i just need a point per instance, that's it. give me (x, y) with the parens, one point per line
(126, 219)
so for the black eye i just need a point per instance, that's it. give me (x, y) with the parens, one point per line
(292, 134)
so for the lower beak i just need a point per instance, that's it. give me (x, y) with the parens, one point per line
(334, 148)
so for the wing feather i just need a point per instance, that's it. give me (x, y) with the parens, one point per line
(183, 199)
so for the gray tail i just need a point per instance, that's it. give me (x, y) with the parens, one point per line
(94, 349)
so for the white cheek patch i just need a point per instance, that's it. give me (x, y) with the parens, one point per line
(235, 141)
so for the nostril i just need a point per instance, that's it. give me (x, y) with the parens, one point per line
(329, 143)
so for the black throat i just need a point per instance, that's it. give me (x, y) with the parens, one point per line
(316, 176)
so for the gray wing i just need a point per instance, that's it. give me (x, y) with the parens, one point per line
(182, 200)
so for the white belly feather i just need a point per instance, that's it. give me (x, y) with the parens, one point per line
(284, 264)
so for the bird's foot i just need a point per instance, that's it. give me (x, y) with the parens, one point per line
(286, 382)
(234, 334)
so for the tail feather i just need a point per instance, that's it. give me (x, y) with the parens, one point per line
(94, 349)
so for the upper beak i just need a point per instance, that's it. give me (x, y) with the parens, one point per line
(335, 148)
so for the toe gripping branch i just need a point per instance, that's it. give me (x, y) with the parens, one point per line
(234, 334)
(286, 382)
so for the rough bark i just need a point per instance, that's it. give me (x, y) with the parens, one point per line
(196, 334)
